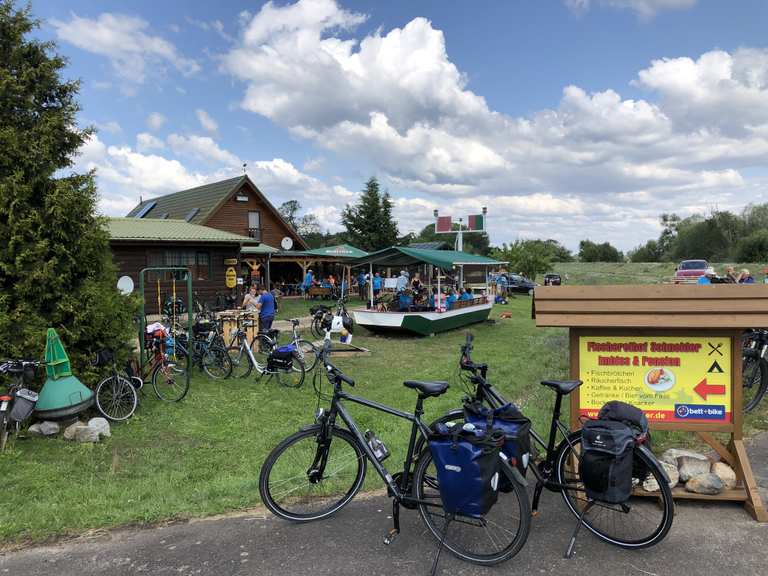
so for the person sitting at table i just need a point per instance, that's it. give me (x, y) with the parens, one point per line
(405, 301)
(745, 277)
(451, 299)
(465, 294)
(416, 283)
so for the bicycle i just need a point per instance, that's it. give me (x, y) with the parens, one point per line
(558, 470)
(206, 354)
(116, 395)
(305, 350)
(166, 369)
(286, 367)
(322, 317)
(12, 411)
(315, 472)
(754, 368)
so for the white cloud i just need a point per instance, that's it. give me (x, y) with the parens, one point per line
(644, 8)
(313, 164)
(395, 100)
(111, 127)
(202, 148)
(155, 121)
(146, 141)
(208, 124)
(125, 41)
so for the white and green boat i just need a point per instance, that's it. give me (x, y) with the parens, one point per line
(427, 322)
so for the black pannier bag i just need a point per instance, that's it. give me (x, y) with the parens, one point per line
(468, 468)
(280, 358)
(635, 419)
(516, 428)
(23, 405)
(606, 460)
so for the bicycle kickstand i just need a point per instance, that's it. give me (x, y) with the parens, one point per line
(441, 544)
(536, 496)
(392, 534)
(572, 543)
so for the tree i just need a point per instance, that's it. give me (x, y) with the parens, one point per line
(56, 267)
(308, 224)
(475, 243)
(648, 252)
(753, 248)
(591, 252)
(369, 224)
(529, 257)
(669, 225)
(288, 210)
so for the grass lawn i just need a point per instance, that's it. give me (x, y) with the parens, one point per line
(202, 456)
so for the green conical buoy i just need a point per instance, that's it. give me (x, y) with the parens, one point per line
(63, 395)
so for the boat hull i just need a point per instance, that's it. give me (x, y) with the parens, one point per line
(423, 323)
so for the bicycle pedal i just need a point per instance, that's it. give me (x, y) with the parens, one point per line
(534, 513)
(390, 537)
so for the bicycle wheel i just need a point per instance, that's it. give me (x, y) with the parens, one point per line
(241, 363)
(640, 522)
(216, 363)
(292, 377)
(493, 538)
(316, 327)
(169, 379)
(116, 398)
(261, 346)
(308, 354)
(754, 378)
(291, 484)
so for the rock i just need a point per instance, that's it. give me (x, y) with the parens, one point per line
(672, 455)
(88, 434)
(690, 467)
(71, 431)
(725, 473)
(35, 430)
(650, 484)
(705, 484)
(48, 428)
(101, 426)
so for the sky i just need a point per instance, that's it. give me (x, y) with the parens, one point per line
(567, 119)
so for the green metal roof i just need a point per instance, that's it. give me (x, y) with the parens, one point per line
(154, 229)
(340, 251)
(260, 249)
(179, 204)
(405, 256)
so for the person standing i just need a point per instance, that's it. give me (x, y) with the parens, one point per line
(402, 281)
(266, 308)
(308, 280)
(376, 282)
(361, 283)
(251, 300)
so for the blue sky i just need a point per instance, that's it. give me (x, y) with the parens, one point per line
(569, 119)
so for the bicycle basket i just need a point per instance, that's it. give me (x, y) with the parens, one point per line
(606, 460)
(23, 405)
(468, 468)
(516, 428)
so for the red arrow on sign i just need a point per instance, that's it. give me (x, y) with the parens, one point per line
(702, 389)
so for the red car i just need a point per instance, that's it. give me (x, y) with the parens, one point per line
(689, 271)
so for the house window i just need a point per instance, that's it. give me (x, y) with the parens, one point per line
(203, 266)
(254, 225)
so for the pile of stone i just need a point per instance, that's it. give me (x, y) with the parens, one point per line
(91, 431)
(697, 472)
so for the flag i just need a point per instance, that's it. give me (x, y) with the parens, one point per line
(476, 222)
(443, 224)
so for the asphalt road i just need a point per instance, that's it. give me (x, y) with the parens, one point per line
(705, 539)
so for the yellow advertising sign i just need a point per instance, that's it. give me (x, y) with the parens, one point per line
(671, 378)
(230, 277)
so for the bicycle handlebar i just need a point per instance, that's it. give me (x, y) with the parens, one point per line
(335, 376)
(18, 366)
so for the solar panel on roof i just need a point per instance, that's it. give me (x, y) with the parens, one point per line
(191, 214)
(147, 208)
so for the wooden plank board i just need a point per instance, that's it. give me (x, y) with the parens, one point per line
(652, 292)
(669, 306)
(679, 492)
(707, 321)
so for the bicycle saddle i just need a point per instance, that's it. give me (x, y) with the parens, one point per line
(562, 386)
(427, 388)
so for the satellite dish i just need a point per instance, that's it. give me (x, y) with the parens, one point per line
(125, 285)
(286, 243)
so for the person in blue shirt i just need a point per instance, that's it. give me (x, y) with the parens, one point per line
(450, 300)
(266, 308)
(745, 277)
(361, 285)
(308, 279)
(705, 279)
(465, 295)
(376, 285)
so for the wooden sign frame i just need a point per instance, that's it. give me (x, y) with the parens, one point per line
(668, 311)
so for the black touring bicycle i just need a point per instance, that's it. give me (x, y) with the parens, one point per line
(465, 473)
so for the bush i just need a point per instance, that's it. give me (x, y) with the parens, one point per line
(753, 248)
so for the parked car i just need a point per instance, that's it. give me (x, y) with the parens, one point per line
(552, 280)
(519, 284)
(689, 271)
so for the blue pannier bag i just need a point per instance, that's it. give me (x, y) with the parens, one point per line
(281, 358)
(516, 428)
(468, 468)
